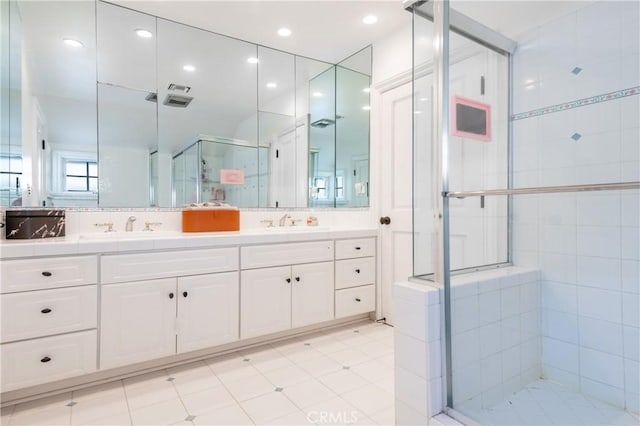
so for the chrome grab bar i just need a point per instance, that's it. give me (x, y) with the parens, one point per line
(546, 189)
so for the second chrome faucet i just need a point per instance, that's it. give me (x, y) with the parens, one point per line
(129, 225)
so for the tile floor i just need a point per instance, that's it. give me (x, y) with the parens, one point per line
(547, 403)
(341, 376)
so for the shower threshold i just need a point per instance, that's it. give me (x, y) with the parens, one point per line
(544, 403)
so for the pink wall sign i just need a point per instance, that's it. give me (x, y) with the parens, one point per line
(470, 119)
(231, 177)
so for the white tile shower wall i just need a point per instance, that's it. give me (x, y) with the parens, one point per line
(496, 335)
(418, 353)
(586, 245)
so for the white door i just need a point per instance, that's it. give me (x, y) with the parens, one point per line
(282, 177)
(207, 310)
(311, 293)
(137, 322)
(265, 301)
(396, 198)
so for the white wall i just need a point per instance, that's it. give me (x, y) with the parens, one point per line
(585, 244)
(392, 54)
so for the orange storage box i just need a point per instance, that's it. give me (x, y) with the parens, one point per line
(210, 220)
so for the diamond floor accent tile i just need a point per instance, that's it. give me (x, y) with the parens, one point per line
(576, 70)
(272, 383)
(576, 136)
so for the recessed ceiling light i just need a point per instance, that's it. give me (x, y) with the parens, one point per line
(366, 90)
(272, 85)
(141, 32)
(284, 32)
(71, 42)
(252, 60)
(316, 94)
(370, 19)
(189, 68)
(366, 107)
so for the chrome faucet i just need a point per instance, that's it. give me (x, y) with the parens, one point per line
(129, 226)
(283, 219)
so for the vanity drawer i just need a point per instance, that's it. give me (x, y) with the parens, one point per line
(144, 266)
(286, 254)
(348, 249)
(47, 359)
(50, 272)
(357, 300)
(47, 312)
(355, 272)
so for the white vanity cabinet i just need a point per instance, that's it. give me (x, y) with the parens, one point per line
(355, 276)
(70, 315)
(149, 319)
(48, 310)
(278, 298)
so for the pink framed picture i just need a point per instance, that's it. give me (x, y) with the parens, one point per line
(470, 119)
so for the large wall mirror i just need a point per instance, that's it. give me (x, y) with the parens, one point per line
(137, 111)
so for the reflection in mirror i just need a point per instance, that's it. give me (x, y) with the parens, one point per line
(11, 176)
(57, 96)
(306, 71)
(206, 86)
(276, 127)
(278, 138)
(126, 47)
(276, 81)
(127, 135)
(352, 130)
(216, 171)
(184, 82)
(322, 138)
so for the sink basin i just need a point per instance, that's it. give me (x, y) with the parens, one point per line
(127, 235)
(286, 229)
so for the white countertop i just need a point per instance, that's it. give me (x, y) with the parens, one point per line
(100, 242)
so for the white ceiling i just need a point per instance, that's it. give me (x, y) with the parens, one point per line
(322, 29)
(331, 30)
(328, 30)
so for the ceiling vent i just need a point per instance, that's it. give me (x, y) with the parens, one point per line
(179, 88)
(177, 101)
(152, 97)
(322, 123)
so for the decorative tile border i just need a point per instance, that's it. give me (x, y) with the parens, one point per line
(579, 103)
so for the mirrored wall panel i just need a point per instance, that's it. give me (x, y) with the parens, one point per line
(353, 78)
(52, 104)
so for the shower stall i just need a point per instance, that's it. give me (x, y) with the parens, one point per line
(526, 207)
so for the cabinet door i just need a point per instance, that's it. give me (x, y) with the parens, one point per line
(137, 322)
(207, 310)
(312, 293)
(265, 301)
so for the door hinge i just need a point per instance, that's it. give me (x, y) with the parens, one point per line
(277, 153)
(482, 84)
(277, 203)
(43, 145)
